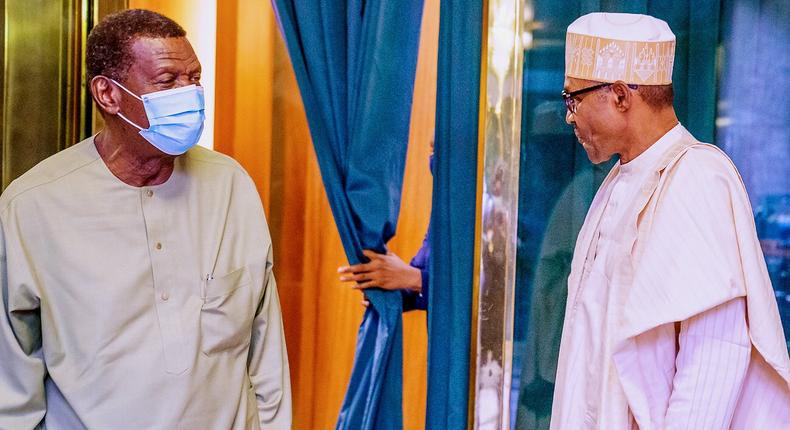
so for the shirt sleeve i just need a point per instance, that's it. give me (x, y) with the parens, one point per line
(22, 370)
(413, 300)
(713, 355)
(268, 362)
(422, 297)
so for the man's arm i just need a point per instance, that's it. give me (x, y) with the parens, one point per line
(422, 261)
(268, 362)
(385, 271)
(713, 355)
(388, 272)
(22, 370)
(417, 300)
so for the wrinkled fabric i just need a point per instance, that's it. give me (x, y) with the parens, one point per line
(139, 307)
(355, 63)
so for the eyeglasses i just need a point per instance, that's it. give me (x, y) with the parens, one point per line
(570, 97)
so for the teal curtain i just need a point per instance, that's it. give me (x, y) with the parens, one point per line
(355, 63)
(557, 182)
(453, 217)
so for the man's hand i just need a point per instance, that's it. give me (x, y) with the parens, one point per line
(385, 271)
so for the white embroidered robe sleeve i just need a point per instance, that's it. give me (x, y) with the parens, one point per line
(714, 346)
(712, 359)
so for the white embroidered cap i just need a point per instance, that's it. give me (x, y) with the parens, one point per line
(607, 47)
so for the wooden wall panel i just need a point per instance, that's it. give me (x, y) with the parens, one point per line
(178, 10)
(296, 223)
(244, 85)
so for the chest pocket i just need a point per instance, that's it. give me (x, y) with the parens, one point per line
(227, 312)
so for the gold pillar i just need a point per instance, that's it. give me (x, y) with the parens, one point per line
(498, 214)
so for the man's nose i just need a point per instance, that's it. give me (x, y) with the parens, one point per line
(568, 115)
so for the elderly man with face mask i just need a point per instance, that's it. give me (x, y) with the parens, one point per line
(671, 320)
(136, 268)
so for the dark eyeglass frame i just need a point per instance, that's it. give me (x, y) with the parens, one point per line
(570, 97)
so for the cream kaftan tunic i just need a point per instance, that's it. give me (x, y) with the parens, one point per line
(139, 308)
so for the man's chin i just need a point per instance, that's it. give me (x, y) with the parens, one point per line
(600, 160)
(594, 156)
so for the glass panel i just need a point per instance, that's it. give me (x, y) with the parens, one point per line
(753, 125)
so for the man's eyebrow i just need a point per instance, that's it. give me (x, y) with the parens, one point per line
(170, 68)
(167, 68)
(177, 71)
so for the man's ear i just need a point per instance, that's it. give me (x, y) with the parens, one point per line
(105, 94)
(623, 96)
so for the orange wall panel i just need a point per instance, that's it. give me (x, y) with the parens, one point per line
(245, 77)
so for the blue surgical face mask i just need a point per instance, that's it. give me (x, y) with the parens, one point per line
(175, 117)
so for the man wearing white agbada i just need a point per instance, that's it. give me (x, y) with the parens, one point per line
(671, 320)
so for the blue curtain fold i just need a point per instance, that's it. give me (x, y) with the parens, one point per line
(355, 63)
(453, 216)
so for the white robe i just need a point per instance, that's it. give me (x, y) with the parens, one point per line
(688, 244)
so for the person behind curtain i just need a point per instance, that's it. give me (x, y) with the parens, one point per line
(389, 272)
(136, 267)
(670, 321)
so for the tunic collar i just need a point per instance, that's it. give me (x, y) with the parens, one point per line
(178, 169)
(649, 158)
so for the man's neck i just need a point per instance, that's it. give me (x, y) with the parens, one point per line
(647, 131)
(132, 164)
